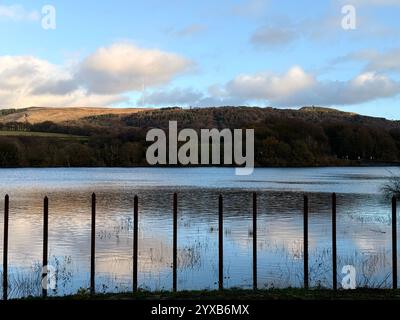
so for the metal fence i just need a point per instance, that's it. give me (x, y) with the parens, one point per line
(175, 243)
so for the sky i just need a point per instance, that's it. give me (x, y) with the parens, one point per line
(343, 54)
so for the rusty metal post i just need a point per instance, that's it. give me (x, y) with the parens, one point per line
(135, 243)
(175, 243)
(93, 246)
(221, 244)
(5, 248)
(394, 241)
(305, 233)
(45, 246)
(334, 244)
(255, 241)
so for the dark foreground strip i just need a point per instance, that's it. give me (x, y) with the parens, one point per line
(205, 309)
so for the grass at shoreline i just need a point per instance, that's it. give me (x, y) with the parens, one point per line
(239, 294)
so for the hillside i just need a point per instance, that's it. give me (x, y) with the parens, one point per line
(204, 117)
(310, 136)
(60, 115)
(237, 117)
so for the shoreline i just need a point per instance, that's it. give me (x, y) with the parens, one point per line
(238, 294)
(347, 165)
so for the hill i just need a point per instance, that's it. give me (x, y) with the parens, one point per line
(237, 117)
(310, 136)
(59, 115)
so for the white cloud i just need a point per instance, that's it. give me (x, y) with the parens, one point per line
(125, 67)
(28, 81)
(103, 78)
(270, 86)
(388, 61)
(110, 74)
(18, 13)
(293, 88)
(273, 36)
(297, 88)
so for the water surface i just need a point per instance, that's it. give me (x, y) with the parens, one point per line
(364, 231)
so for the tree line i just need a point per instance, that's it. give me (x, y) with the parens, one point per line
(307, 137)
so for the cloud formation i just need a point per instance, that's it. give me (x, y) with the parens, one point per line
(388, 61)
(110, 74)
(270, 86)
(294, 88)
(124, 67)
(28, 81)
(273, 36)
(18, 13)
(103, 78)
(297, 88)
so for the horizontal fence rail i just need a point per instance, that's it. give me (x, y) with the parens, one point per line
(135, 243)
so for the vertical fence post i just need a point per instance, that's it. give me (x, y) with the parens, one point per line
(220, 244)
(255, 241)
(175, 243)
(394, 241)
(334, 245)
(93, 246)
(305, 234)
(5, 249)
(45, 246)
(135, 243)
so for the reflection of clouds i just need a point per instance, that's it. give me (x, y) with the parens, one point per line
(280, 225)
(365, 244)
(69, 233)
(279, 235)
(154, 257)
(22, 235)
(368, 241)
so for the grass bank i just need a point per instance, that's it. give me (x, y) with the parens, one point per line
(239, 294)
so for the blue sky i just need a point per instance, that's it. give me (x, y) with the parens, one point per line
(202, 53)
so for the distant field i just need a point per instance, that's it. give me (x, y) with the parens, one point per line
(39, 134)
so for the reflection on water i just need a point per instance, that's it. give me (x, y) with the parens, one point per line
(363, 226)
